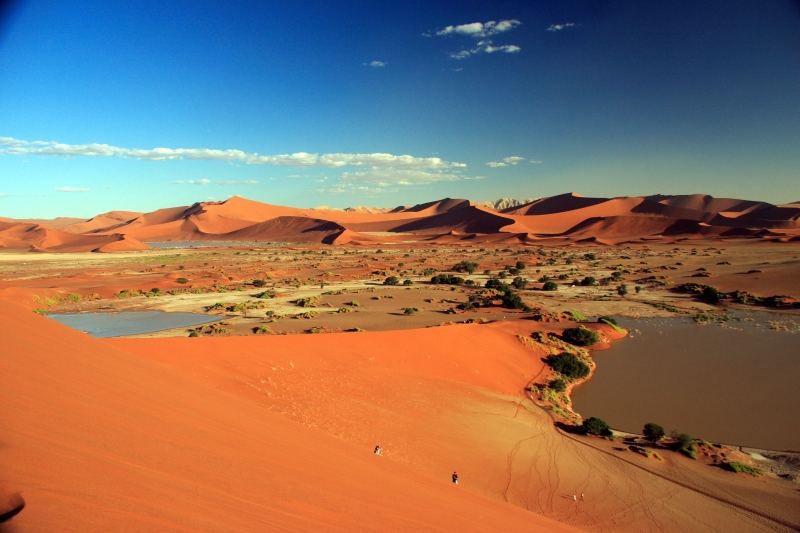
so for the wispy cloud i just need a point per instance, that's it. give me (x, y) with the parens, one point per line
(12, 146)
(385, 180)
(70, 188)
(206, 181)
(485, 47)
(560, 26)
(376, 63)
(509, 161)
(382, 177)
(482, 31)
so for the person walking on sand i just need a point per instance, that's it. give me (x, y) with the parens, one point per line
(455, 478)
(378, 450)
(582, 496)
(574, 498)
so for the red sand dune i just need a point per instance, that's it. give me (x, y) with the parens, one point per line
(98, 439)
(101, 222)
(276, 433)
(560, 219)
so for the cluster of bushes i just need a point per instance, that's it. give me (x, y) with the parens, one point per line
(568, 365)
(512, 300)
(311, 301)
(580, 336)
(653, 432)
(447, 279)
(684, 443)
(596, 426)
(714, 296)
(558, 385)
(735, 466)
(465, 266)
(494, 283)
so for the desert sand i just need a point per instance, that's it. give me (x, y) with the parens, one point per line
(253, 425)
(567, 218)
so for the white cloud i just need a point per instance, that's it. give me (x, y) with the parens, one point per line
(376, 180)
(535, 162)
(507, 161)
(485, 47)
(376, 63)
(382, 177)
(70, 188)
(12, 146)
(480, 29)
(561, 26)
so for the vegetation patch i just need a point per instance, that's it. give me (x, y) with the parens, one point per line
(596, 426)
(568, 365)
(741, 468)
(580, 336)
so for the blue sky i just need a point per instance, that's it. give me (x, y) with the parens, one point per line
(385, 103)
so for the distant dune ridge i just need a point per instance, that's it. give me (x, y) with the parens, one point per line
(563, 219)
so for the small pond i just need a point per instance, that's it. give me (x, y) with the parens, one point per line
(129, 322)
(736, 382)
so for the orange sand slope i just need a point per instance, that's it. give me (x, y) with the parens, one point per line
(97, 439)
(451, 397)
(564, 218)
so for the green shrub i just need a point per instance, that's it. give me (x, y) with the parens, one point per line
(558, 385)
(311, 301)
(741, 468)
(447, 279)
(580, 336)
(494, 283)
(577, 316)
(684, 443)
(410, 310)
(181, 280)
(607, 320)
(407, 282)
(258, 283)
(519, 282)
(568, 365)
(596, 426)
(465, 266)
(194, 333)
(653, 432)
(391, 280)
(550, 286)
(512, 300)
(269, 293)
(588, 280)
(520, 265)
(711, 295)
